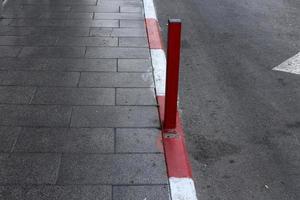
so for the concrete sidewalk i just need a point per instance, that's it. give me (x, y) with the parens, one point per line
(78, 114)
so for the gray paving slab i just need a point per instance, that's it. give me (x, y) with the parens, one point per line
(19, 64)
(133, 42)
(56, 2)
(22, 168)
(90, 79)
(74, 96)
(119, 32)
(132, 140)
(61, 31)
(86, 41)
(112, 169)
(149, 192)
(79, 64)
(44, 31)
(52, 52)
(9, 51)
(78, 114)
(39, 78)
(136, 96)
(8, 137)
(45, 8)
(58, 64)
(47, 15)
(20, 15)
(51, 192)
(36, 40)
(66, 140)
(37, 22)
(101, 31)
(119, 16)
(117, 52)
(132, 23)
(121, 3)
(91, 23)
(37, 14)
(9, 30)
(115, 116)
(78, 15)
(5, 22)
(28, 115)
(102, 8)
(58, 31)
(134, 65)
(16, 94)
(130, 9)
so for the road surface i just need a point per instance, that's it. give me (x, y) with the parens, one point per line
(242, 119)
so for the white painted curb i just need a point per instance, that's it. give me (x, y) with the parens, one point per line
(159, 69)
(149, 9)
(182, 189)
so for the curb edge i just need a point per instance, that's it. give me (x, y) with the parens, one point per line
(178, 166)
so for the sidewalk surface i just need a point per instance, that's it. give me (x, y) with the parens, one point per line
(78, 115)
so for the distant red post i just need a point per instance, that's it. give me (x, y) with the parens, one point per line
(173, 61)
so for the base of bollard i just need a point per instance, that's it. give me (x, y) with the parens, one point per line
(178, 164)
(170, 135)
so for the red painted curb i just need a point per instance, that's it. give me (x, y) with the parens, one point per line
(178, 164)
(154, 36)
(176, 155)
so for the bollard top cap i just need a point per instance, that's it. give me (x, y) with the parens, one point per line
(174, 20)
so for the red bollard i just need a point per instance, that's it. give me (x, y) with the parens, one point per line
(173, 61)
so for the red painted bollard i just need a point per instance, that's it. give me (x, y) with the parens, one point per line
(173, 60)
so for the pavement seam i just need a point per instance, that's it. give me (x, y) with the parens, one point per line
(79, 78)
(71, 114)
(115, 140)
(33, 95)
(58, 168)
(16, 140)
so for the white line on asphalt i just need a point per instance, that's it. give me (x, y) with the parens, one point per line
(291, 65)
(4, 2)
(159, 69)
(182, 189)
(1, 8)
(149, 9)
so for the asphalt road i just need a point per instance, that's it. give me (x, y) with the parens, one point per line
(242, 119)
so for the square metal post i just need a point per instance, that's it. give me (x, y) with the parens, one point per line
(173, 61)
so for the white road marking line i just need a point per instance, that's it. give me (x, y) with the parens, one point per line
(182, 189)
(4, 2)
(291, 65)
(2, 5)
(149, 9)
(159, 69)
(1, 8)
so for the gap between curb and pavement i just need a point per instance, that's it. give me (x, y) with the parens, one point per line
(178, 166)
